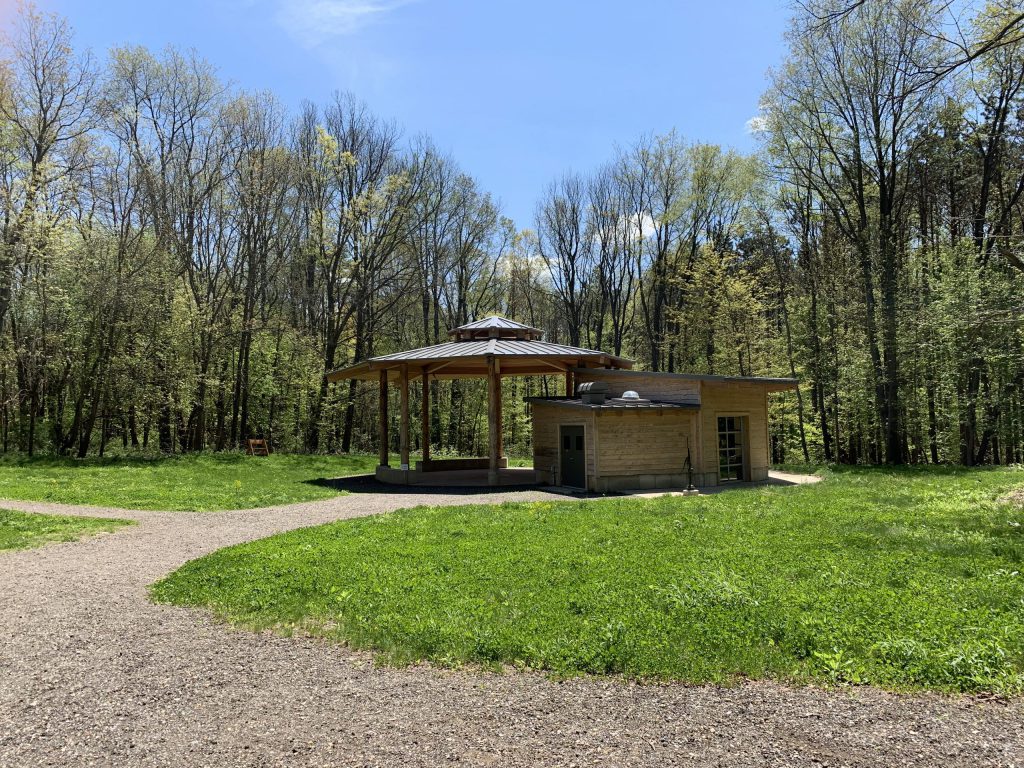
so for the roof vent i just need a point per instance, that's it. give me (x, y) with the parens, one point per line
(593, 392)
(630, 399)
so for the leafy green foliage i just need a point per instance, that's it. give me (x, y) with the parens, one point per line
(192, 482)
(19, 530)
(904, 579)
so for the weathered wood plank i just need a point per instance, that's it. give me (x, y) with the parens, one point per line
(383, 425)
(493, 417)
(403, 440)
(425, 416)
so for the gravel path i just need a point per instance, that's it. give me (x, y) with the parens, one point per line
(92, 673)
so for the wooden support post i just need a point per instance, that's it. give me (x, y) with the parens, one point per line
(403, 443)
(569, 388)
(492, 420)
(425, 413)
(501, 419)
(383, 418)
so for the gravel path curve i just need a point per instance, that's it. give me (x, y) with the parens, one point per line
(92, 673)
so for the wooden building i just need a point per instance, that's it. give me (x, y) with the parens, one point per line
(622, 429)
(654, 430)
(493, 348)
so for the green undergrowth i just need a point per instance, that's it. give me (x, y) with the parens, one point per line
(904, 579)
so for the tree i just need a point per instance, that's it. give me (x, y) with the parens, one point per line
(566, 244)
(843, 114)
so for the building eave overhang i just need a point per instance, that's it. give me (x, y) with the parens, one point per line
(616, 405)
(772, 384)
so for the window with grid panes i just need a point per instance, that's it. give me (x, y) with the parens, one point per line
(730, 447)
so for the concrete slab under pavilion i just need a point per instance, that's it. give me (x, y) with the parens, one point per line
(493, 348)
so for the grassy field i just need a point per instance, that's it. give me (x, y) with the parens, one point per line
(19, 530)
(193, 482)
(905, 580)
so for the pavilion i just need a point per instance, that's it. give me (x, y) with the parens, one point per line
(492, 348)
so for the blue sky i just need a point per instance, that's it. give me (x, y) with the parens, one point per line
(518, 90)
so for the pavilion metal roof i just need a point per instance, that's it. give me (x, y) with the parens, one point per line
(495, 327)
(495, 322)
(468, 359)
(499, 347)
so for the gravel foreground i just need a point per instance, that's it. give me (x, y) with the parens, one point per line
(92, 673)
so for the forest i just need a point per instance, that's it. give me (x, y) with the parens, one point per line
(182, 262)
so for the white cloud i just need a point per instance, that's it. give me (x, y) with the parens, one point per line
(757, 124)
(631, 228)
(313, 22)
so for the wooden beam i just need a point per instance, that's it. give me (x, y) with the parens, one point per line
(501, 421)
(569, 384)
(436, 368)
(425, 413)
(403, 444)
(492, 420)
(383, 418)
(556, 366)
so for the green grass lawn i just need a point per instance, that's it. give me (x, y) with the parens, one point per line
(19, 530)
(906, 580)
(193, 482)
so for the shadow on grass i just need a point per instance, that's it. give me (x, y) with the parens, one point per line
(370, 484)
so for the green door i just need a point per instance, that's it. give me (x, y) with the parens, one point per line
(574, 457)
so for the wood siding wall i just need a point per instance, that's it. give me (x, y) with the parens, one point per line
(716, 398)
(636, 449)
(735, 399)
(546, 422)
(624, 449)
(644, 442)
(649, 387)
